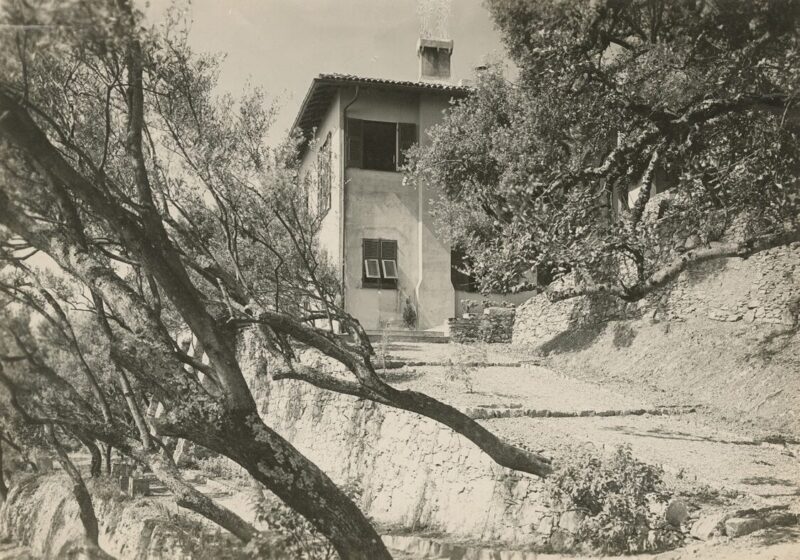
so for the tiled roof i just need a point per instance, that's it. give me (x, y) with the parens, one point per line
(323, 87)
(350, 78)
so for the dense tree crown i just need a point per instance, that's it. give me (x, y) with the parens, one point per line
(692, 96)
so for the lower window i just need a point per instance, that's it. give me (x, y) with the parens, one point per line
(379, 264)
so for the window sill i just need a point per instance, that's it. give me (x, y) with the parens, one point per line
(395, 172)
(378, 286)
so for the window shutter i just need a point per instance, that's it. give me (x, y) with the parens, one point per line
(372, 249)
(355, 143)
(407, 137)
(388, 249)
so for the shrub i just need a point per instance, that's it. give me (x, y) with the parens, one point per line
(409, 315)
(617, 495)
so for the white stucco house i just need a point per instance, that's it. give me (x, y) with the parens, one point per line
(378, 231)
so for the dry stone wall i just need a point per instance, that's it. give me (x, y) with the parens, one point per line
(415, 473)
(764, 288)
(539, 320)
(495, 324)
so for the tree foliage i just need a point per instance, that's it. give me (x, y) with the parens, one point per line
(135, 194)
(698, 97)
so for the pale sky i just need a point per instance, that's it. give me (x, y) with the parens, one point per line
(281, 45)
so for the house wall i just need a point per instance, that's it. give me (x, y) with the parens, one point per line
(330, 235)
(379, 205)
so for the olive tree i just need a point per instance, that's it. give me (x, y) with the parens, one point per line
(699, 97)
(124, 170)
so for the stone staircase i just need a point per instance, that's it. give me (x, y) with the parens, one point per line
(401, 335)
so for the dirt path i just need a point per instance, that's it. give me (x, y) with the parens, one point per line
(694, 449)
(717, 464)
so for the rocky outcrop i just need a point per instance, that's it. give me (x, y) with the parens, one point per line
(413, 472)
(539, 320)
(764, 288)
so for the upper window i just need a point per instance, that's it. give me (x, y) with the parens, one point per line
(324, 172)
(379, 145)
(379, 258)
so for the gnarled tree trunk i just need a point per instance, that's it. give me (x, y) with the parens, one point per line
(79, 490)
(297, 481)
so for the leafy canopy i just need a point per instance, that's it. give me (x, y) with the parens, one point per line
(692, 96)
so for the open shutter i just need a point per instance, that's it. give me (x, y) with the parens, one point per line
(370, 257)
(372, 249)
(407, 137)
(355, 143)
(388, 249)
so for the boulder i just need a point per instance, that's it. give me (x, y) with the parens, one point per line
(692, 242)
(677, 513)
(709, 526)
(571, 520)
(740, 526)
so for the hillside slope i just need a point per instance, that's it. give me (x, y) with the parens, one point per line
(739, 372)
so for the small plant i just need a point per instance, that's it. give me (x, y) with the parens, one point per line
(468, 306)
(463, 370)
(383, 349)
(409, 315)
(616, 495)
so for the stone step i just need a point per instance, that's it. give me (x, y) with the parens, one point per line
(408, 336)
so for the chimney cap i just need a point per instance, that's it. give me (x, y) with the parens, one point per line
(423, 43)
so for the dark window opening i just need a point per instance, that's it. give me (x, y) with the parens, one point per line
(379, 267)
(459, 277)
(379, 145)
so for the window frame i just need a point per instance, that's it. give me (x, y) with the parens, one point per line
(324, 177)
(405, 136)
(386, 275)
(369, 274)
(376, 249)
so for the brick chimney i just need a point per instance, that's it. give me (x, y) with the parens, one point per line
(434, 59)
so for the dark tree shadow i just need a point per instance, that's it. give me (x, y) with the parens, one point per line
(676, 435)
(777, 535)
(572, 340)
(624, 334)
(399, 376)
(766, 480)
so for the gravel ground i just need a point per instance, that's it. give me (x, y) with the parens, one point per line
(528, 386)
(498, 386)
(692, 453)
(716, 463)
(695, 449)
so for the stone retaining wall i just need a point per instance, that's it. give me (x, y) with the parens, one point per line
(764, 288)
(495, 324)
(415, 473)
